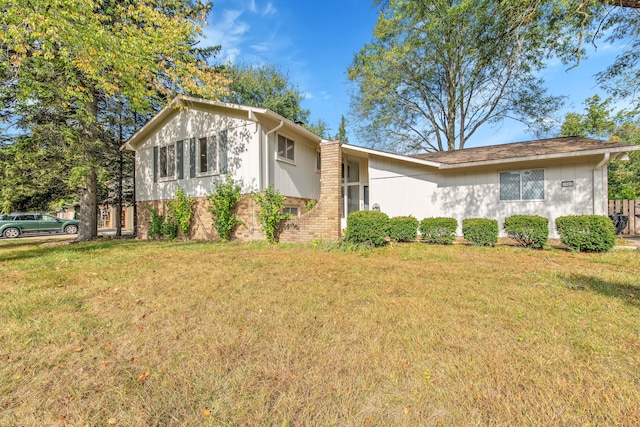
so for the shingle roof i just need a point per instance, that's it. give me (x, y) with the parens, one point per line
(541, 147)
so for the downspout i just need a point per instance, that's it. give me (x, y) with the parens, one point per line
(266, 155)
(599, 166)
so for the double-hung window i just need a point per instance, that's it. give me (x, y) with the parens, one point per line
(286, 149)
(208, 155)
(167, 161)
(522, 185)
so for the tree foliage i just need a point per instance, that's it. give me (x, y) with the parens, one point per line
(265, 87)
(64, 63)
(437, 70)
(622, 78)
(600, 120)
(342, 131)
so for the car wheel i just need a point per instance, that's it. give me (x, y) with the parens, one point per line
(11, 233)
(71, 229)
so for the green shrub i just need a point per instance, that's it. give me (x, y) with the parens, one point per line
(311, 204)
(586, 233)
(531, 231)
(170, 229)
(402, 229)
(222, 204)
(369, 227)
(480, 231)
(438, 230)
(181, 212)
(271, 215)
(157, 222)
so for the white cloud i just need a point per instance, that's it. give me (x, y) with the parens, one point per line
(269, 10)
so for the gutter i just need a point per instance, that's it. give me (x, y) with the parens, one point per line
(266, 155)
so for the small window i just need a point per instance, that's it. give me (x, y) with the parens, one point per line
(293, 210)
(167, 161)
(522, 185)
(318, 161)
(207, 155)
(286, 148)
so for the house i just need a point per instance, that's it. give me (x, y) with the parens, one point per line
(193, 143)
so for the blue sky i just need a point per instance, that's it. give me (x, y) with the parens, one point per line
(315, 41)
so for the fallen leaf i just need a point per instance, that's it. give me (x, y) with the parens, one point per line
(143, 376)
(134, 359)
(206, 412)
(79, 349)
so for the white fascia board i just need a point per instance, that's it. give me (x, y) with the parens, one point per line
(400, 157)
(540, 157)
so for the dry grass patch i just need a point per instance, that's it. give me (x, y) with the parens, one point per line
(138, 333)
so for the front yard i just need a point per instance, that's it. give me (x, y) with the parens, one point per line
(137, 333)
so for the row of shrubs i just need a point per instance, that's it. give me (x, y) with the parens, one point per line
(586, 233)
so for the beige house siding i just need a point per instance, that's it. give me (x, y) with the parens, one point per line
(400, 188)
(242, 152)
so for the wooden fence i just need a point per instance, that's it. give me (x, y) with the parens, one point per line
(630, 208)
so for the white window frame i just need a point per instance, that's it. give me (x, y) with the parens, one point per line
(163, 173)
(521, 199)
(211, 169)
(318, 161)
(293, 210)
(289, 147)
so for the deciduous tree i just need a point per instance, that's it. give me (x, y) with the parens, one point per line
(600, 120)
(266, 87)
(69, 57)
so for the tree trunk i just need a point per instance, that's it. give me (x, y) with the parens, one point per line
(88, 214)
(118, 217)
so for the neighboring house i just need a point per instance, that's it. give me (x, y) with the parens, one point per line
(193, 143)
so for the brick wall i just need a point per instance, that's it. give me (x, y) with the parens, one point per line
(322, 222)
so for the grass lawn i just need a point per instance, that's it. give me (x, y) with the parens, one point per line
(137, 333)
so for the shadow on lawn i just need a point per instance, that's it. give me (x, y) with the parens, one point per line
(630, 293)
(9, 252)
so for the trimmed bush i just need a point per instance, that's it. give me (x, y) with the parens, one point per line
(403, 229)
(586, 233)
(368, 227)
(530, 231)
(438, 230)
(480, 231)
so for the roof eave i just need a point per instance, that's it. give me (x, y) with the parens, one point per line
(392, 156)
(540, 157)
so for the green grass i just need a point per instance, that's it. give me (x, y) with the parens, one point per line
(137, 333)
